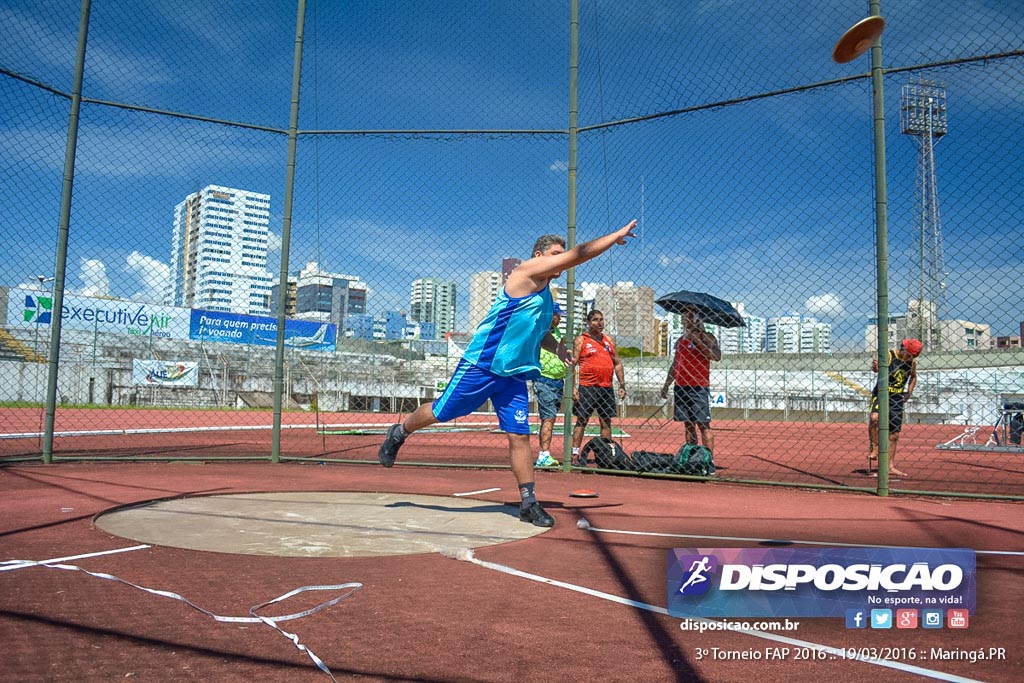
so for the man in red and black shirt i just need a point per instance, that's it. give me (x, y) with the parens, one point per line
(596, 362)
(691, 373)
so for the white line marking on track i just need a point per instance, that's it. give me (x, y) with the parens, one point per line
(909, 668)
(22, 565)
(222, 428)
(779, 540)
(473, 493)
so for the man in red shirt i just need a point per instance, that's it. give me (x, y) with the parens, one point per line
(691, 373)
(596, 362)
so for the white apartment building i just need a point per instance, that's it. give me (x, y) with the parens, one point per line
(219, 251)
(432, 300)
(580, 307)
(747, 339)
(798, 334)
(483, 291)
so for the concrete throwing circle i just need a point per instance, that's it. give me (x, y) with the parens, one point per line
(319, 524)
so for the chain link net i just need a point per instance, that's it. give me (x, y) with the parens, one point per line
(432, 147)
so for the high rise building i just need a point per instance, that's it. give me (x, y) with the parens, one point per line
(318, 295)
(483, 290)
(219, 251)
(628, 313)
(747, 339)
(433, 300)
(797, 334)
(580, 307)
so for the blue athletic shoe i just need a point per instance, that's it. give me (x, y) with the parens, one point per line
(389, 449)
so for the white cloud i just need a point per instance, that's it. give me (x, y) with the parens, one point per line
(273, 241)
(664, 260)
(559, 166)
(153, 274)
(93, 274)
(825, 305)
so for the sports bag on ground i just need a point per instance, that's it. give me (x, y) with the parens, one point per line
(653, 462)
(695, 460)
(607, 454)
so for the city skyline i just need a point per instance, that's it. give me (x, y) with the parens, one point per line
(768, 203)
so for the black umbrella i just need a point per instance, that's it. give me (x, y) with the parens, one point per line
(712, 310)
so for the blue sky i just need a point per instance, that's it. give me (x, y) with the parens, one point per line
(769, 202)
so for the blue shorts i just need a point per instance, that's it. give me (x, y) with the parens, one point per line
(549, 396)
(691, 404)
(470, 387)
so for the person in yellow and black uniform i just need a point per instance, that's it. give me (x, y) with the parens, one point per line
(902, 380)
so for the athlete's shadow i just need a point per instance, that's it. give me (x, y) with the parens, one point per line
(508, 508)
(503, 508)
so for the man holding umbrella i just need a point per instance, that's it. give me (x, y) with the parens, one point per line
(691, 372)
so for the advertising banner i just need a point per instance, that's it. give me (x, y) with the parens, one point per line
(236, 328)
(27, 308)
(165, 373)
(818, 582)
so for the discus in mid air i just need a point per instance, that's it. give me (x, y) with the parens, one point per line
(861, 37)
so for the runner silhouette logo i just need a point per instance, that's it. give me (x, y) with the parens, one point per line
(696, 580)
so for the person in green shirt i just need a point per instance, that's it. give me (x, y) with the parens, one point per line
(548, 388)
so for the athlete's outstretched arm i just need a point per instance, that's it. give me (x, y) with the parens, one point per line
(552, 265)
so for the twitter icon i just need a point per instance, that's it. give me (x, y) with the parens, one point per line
(881, 618)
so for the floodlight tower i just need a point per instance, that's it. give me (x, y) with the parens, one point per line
(923, 115)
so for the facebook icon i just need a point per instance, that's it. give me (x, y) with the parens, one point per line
(855, 618)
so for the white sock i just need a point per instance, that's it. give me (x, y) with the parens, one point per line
(544, 454)
(575, 451)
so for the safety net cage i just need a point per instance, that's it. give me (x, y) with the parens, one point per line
(269, 230)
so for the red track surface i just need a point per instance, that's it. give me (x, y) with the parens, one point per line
(431, 618)
(829, 454)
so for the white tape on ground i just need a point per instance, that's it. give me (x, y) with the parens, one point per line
(11, 565)
(473, 493)
(929, 673)
(253, 618)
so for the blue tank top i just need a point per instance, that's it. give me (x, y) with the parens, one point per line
(507, 341)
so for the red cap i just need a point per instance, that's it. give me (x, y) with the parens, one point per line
(912, 346)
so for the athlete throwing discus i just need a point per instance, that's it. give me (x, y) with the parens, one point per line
(503, 354)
